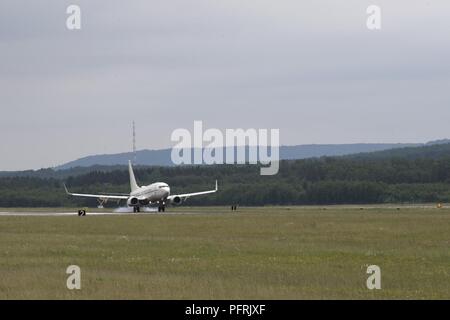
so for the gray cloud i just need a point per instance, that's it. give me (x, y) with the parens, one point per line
(310, 68)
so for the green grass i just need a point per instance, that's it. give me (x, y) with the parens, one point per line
(256, 253)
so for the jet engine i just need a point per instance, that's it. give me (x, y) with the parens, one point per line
(132, 201)
(176, 201)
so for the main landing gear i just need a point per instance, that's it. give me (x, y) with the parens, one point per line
(161, 208)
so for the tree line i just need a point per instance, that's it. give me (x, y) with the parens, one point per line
(328, 180)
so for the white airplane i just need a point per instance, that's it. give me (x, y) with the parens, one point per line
(155, 194)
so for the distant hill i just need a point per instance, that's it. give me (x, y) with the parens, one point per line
(428, 151)
(162, 157)
(108, 163)
(59, 174)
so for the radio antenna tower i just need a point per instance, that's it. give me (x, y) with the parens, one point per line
(134, 143)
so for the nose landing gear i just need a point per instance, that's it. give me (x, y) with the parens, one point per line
(136, 209)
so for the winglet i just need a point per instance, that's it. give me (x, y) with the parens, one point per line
(217, 188)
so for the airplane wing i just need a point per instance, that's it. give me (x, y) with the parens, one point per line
(99, 196)
(187, 195)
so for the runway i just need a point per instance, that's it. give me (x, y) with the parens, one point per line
(113, 212)
(116, 212)
(65, 212)
(68, 214)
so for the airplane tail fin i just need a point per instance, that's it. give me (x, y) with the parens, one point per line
(133, 183)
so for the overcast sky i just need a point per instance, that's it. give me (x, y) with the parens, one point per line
(310, 68)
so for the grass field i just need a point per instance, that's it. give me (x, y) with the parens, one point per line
(256, 253)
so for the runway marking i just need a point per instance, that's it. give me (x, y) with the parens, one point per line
(48, 213)
(72, 214)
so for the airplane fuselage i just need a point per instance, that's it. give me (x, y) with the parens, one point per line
(154, 192)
